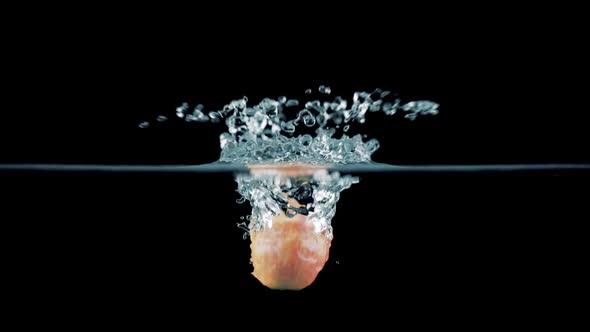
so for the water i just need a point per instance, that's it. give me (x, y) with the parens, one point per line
(291, 160)
(407, 235)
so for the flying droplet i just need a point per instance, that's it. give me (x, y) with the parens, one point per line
(389, 108)
(144, 124)
(308, 91)
(181, 110)
(325, 89)
(161, 118)
(215, 116)
(292, 102)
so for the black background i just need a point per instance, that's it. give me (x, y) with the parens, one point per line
(444, 246)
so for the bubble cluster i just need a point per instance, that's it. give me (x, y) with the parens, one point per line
(317, 194)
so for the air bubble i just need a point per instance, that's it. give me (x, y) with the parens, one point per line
(305, 140)
(288, 126)
(308, 119)
(290, 213)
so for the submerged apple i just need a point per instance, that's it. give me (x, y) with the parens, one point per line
(288, 254)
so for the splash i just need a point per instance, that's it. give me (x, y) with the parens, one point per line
(288, 145)
(314, 196)
(265, 134)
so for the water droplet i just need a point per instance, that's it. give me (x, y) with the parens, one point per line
(389, 108)
(197, 115)
(282, 99)
(144, 124)
(375, 107)
(214, 116)
(241, 217)
(337, 262)
(181, 110)
(385, 94)
(161, 118)
(292, 102)
(423, 107)
(308, 91)
(325, 89)
(241, 200)
(411, 116)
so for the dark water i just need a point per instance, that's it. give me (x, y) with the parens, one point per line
(471, 241)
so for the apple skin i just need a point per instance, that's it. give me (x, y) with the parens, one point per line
(289, 254)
